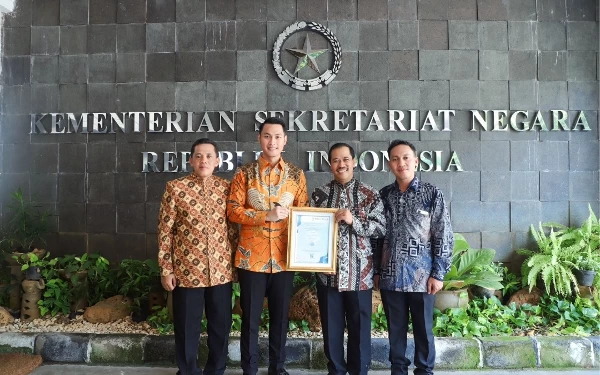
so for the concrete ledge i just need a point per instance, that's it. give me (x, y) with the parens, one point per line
(561, 351)
(61, 347)
(318, 359)
(160, 351)
(107, 349)
(17, 342)
(596, 346)
(457, 353)
(297, 353)
(506, 352)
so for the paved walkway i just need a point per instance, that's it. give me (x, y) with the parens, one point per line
(109, 370)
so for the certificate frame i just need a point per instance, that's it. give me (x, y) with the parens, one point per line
(312, 248)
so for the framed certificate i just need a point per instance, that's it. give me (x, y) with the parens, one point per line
(312, 239)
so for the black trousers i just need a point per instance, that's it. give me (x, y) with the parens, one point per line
(254, 287)
(341, 310)
(188, 304)
(397, 306)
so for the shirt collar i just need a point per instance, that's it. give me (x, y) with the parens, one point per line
(198, 180)
(415, 184)
(346, 185)
(263, 164)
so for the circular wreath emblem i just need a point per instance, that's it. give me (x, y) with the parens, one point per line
(307, 84)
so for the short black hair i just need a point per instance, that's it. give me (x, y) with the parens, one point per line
(340, 145)
(205, 141)
(274, 121)
(398, 142)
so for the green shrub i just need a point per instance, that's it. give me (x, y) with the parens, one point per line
(57, 298)
(379, 320)
(488, 317)
(471, 267)
(161, 321)
(27, 226)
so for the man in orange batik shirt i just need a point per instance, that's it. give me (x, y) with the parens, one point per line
(261, 194)
(196, 245)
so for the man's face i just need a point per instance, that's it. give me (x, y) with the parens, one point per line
(342, 164)
(204, 160)
(403, 163)
(272, 139)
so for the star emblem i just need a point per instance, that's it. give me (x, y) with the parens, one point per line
(306, 56)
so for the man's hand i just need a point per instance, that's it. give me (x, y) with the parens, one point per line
(375, 282)
(343, 216)
(278, 213)
(434, 286)
(168, 282)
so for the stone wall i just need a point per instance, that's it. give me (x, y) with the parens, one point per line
(83, 56)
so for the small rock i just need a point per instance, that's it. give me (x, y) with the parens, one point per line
(109, 310)
(5, 316)
(523, 296)
(304, 306)
(585, 292)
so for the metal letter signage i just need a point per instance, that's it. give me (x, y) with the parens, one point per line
(307, 57)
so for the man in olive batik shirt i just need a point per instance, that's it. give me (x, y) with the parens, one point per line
(345, 297)
(196, 245)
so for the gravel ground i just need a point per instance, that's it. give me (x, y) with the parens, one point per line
(61, 323)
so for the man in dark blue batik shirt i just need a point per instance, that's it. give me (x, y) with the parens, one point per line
(413, 259)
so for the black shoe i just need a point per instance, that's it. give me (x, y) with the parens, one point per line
(281, 371)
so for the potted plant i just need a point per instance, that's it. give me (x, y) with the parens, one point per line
(586, 268)
(586, 239)
(562, 255)
(469, 267)
(552, 263)
(489, 292)
(32, 265)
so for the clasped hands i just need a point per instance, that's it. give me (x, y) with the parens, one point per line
(278, 213)
(433, 285)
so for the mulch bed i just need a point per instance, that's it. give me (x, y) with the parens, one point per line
(19, 363)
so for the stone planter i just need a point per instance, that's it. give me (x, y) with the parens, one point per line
(15, 270)
(445, 299)
(32, 293)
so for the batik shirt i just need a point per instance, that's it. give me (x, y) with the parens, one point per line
(354, 253)
(256, 188)
(419, 240)
(195, 240)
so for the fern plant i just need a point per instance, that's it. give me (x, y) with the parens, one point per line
(552, 263)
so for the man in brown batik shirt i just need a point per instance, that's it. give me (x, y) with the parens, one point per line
(196, 245)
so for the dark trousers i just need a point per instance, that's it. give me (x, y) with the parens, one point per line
(254, 287)
(396, 306)
(341, 310)
(188, 304)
